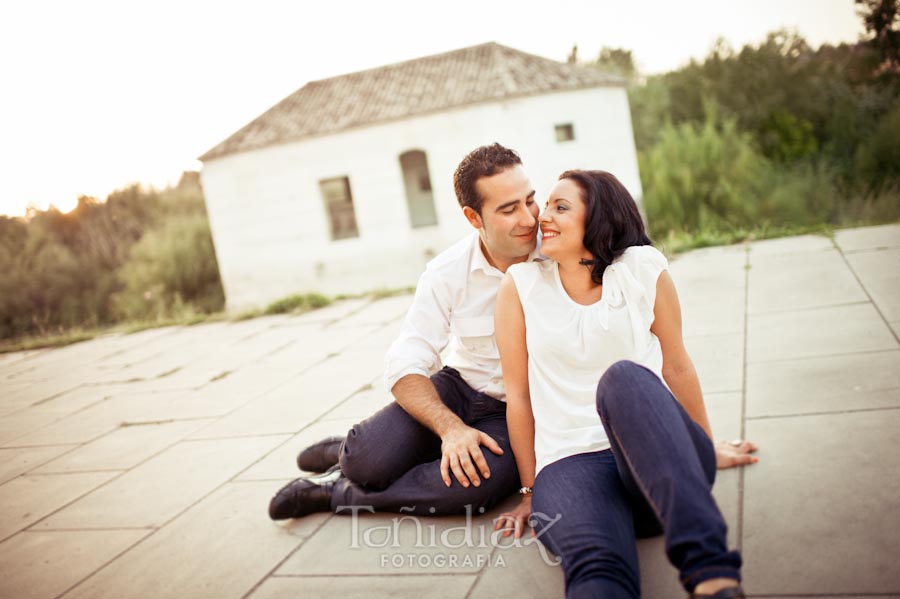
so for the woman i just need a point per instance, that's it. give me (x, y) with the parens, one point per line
(623, 457)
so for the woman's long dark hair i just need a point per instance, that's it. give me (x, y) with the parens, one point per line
(612, 223)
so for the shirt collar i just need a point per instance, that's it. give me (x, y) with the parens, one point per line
(480, 262)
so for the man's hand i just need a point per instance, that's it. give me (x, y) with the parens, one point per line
(461, 453)
(734, 453)
(516, 520)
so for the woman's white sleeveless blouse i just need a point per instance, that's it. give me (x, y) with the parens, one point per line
(570, 346)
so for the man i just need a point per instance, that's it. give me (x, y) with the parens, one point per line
(443, 444)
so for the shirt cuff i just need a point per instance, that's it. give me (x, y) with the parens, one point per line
(391, 377)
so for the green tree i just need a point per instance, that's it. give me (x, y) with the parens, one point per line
(617, 61)
(701, 177)
(882, 20)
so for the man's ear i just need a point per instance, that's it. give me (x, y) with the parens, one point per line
(473, 217)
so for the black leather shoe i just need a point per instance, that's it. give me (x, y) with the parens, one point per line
(320, 456)
(304, 496)
(726, 593)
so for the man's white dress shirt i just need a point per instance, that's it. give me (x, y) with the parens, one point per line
(453, 309)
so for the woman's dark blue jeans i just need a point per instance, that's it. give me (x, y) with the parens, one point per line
(656, 478)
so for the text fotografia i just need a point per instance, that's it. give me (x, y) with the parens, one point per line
(418, 533)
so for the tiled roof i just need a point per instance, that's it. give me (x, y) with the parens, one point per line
(485, 73)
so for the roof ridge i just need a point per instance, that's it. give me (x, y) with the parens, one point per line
(487, 72)
(400, 63)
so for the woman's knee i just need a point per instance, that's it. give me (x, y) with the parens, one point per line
(617, 382)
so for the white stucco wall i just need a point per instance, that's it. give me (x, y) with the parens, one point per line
(269, 220)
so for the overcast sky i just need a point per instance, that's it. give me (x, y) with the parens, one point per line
(97, 94)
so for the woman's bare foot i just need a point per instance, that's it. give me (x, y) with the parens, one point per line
(714, 585)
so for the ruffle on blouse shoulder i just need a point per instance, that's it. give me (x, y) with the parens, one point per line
(631, 280)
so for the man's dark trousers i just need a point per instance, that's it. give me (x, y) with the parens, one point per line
(392, 463)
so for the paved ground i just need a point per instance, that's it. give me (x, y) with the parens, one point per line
(140, 466)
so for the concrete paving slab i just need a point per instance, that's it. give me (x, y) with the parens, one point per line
(817, 332)
(333, 312)
(35, 417)
(820, 478)
(14, 462)
(123, 448)
(315, 343)
(827, 384)
(727, 493)
(659, 579)
(719, 361)
(790, 245)
(819, 513)
(220, 548)
(700, 273)
(281, 463)
(374, 544)
(43, 565)
(27, 499)
(378, 312)
(75, 429)
(9, 360)
(868, 238)
(19, 393)
(724, 412)
(704, 318)
(160, 488)
(796, 281)
(879, 272)
(526, 571)
(290, 406)
(361, 404)
(109, 414)
(366, 587)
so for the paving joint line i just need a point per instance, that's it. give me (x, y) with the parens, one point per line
(108, 562)
(739, 533)
(834, 413)
(290, 554)
(866, 291)
(819, 356)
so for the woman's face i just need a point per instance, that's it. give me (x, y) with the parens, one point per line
(562, 223)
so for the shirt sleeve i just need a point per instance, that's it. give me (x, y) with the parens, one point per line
(424, 335)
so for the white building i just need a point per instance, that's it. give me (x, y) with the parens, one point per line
(345, 186)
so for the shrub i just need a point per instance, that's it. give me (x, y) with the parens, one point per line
(699, 177)
(298, 303)
(171, 271)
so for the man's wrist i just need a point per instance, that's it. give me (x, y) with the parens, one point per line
(447, 425)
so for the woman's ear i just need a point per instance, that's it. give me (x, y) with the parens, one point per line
(473, 217)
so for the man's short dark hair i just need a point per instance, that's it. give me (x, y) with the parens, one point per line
(485, 161)
(612, 221)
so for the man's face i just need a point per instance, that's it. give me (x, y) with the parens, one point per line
(508, 219)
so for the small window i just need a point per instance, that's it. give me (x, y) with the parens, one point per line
(419, 197)
(565, 132)
(339, 207)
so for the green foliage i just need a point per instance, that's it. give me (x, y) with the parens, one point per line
(771, 137)
(172, 269)
(617, 61)
(878, 157)
(700, 177)
(298, 303)
(91, 267)
(882, 19)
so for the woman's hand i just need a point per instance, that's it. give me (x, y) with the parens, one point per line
(516, 520)
(735, 453)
